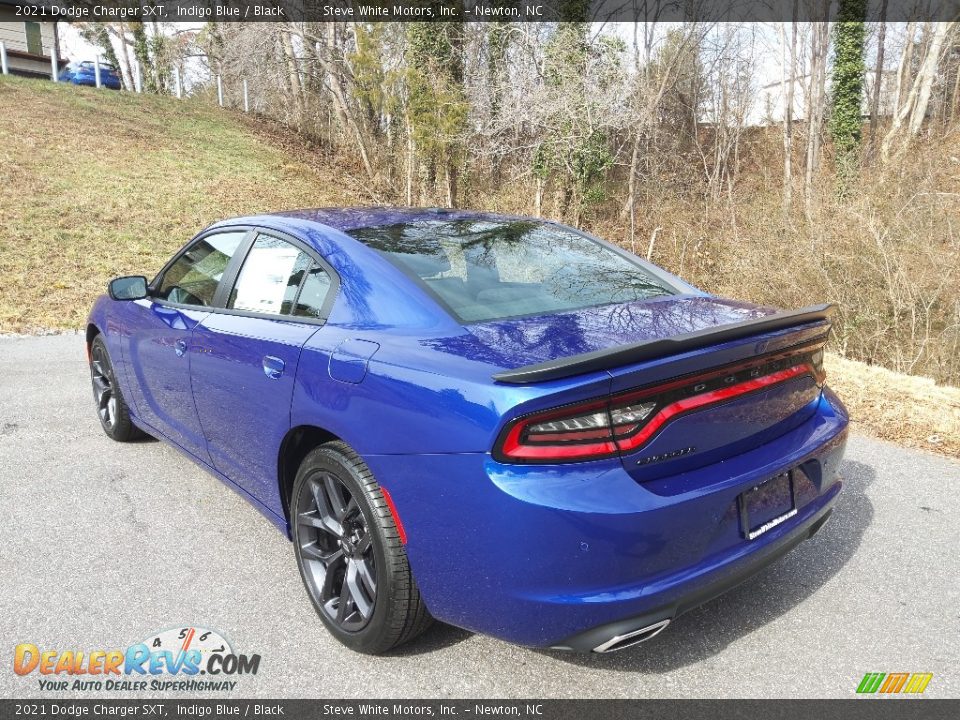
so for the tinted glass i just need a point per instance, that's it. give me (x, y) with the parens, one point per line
(313, 293)
(194, 277)
(483, 270)
(270, 278)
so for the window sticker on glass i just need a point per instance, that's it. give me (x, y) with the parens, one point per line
(270, 277)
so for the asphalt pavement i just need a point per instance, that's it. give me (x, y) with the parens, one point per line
(104, 544)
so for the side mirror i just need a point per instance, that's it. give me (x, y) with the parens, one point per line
(132, 287)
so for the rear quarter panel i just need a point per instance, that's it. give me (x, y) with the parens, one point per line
(414, 399)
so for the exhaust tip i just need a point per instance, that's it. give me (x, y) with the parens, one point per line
(634, 637)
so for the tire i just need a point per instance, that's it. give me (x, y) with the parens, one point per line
(349, 553)
(111, 407)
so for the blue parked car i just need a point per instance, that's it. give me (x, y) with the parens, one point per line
(499, 422)
(84, 73)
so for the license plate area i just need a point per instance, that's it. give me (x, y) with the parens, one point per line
(767, 505)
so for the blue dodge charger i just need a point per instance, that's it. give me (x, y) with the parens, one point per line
(85, 73)
(499, 422)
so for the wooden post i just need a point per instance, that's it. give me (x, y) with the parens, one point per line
(54, 61)
(3, 59)
(246, 97)
(176, 83)
(220, 90)
(137, 78)
(96, 70)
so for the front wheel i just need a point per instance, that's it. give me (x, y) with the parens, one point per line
(349, 552)
(111, 407)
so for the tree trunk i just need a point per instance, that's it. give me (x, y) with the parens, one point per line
(411, 154)
(878, 76)
(955, 95)
(914, 109)
(126, 65)
(926, 76)
(816, 105)
(632, 188)
(846, 119)
(293, 75)
(340, 100)
(451, 184)
(787, 84)
(903, 70)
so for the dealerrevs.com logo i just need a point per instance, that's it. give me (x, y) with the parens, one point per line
(189, 659)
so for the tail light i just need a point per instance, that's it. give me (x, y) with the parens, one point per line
(627, 421)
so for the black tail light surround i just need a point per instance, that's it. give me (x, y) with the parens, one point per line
(624, 422)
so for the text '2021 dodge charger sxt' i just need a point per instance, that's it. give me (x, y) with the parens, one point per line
(502, 423)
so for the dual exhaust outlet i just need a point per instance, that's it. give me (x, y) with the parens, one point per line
(634, 637)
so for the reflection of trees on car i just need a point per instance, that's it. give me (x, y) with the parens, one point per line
(483, 269)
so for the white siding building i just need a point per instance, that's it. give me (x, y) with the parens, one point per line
(28, 44)
(770, 105)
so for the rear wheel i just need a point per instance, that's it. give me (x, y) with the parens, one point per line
(349, 553)
(111, 408)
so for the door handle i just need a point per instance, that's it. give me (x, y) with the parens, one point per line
(180, 347)
(273, 367)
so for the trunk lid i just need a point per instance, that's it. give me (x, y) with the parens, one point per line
(528, 340)
(715, 377)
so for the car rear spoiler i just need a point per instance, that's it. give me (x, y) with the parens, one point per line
(654, 349)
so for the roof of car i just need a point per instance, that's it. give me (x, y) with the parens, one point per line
(346, 219)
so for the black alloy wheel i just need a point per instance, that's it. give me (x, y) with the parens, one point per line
(334, 541)
(112, 410)
(101, 374)
(350, 552)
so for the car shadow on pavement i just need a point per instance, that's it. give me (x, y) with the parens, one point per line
(774, 592)
(437, 637)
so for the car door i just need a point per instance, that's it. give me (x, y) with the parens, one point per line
(246, 354)
(160, 338)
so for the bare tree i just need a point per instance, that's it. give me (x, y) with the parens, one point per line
(908, 117)
(816, 97)
(651, 82)
(878, 74)
(788, 84)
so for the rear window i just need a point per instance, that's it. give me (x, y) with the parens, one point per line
(492, 270)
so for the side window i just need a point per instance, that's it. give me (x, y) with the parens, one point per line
(314, 292)
(270, 278)
(194, 277)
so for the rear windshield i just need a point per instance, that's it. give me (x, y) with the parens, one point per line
(491, 270)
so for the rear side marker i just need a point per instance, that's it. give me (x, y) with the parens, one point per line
(401, 531)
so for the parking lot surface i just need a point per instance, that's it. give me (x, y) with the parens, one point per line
(103, 545)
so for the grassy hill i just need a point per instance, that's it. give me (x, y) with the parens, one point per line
(99, 183)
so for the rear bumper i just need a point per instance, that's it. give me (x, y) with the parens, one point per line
(572, 556)
(630, 631)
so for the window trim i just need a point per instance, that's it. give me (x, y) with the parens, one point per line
(231, 275)
(232, 272)
(154, 284)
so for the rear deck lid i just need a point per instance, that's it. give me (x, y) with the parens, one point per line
(517, 342)
(692, 392)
